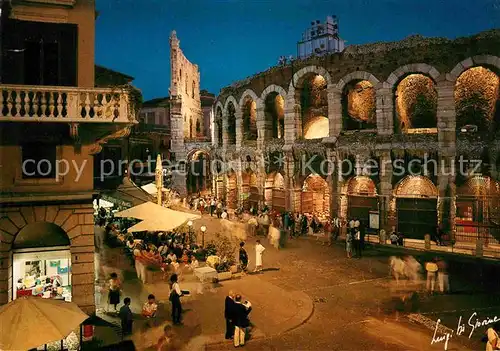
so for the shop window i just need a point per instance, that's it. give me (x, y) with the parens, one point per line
(38, 161)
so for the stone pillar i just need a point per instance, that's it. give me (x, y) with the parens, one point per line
(260, 122)
(239, 180)
(385, 196)
(239, 129)
(446, 118)
(178, 148)
(292, 119)
(446, 198)
(288, 168)
(385, 109)
(334, 111)
(332, 181)
(225, 134)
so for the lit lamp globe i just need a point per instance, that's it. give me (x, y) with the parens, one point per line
(190, 224)
(203, 230)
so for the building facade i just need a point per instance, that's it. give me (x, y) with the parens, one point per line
(401, 135)
(53, 120)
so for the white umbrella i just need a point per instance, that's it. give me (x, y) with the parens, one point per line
(147, 210)
(29, 322)
(165, 223)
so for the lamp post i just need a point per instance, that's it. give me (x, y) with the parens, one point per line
(203, 230)
(190, 232)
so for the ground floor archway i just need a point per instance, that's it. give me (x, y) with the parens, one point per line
(416, 207)
(315, 198)
(274, 193)
(478, 210)
(361, 199)
(231, 191)
(198, 178)
(250, 190)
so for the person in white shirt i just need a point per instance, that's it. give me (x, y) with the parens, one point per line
(150, 307)
(259, 250)
(224, 215)
(171, 256)
(175, 299)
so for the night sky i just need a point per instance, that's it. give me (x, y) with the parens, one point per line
(231, 40)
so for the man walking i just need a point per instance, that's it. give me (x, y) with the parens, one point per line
(126, 317)
(442, 276)
(243, 257)
(229, 315)
(431, 268)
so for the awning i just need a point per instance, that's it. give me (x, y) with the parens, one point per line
(127, 195)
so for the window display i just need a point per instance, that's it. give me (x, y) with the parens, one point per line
(46, 274)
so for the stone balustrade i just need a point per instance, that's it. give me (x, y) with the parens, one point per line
(24, 103)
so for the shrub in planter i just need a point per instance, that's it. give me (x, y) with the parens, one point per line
(200, 255)
(210, 249)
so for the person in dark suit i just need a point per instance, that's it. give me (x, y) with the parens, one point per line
(240, 320)
(228, 315)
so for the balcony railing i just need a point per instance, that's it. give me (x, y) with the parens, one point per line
(25, 103)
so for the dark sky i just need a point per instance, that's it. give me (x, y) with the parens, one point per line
(231, 40)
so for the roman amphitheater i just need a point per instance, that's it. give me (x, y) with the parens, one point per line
(432, 100)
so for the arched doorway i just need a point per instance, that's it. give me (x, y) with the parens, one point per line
(275, 192)
(416, 206)
(250, 190)
(41, 262)
(362, 198)
(198, 179)
(231, 191)
(358, 105)
(478, 210)
(315, 196)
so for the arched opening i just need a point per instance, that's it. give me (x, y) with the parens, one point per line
(315, 196)
(415, 105)
(478, 210)
(41, 262)
(313, 97)
(199, 177)
(231, 191)
(249, 190)
(231, 124)
(359, 105)
(362, 198)
(249, 119)
(218, 126)
(477, 99)
(416, 206)
(274, 116)
(274, 193)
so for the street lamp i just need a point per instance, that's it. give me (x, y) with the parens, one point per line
(203, 230)
(190, 232)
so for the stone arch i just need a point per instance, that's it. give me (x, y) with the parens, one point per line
(231, 108)
(302, 72)
(358, 75)
(249, 93)
(416, 186)
(274, 191)
(273, 88)
(228, 100)
(422, 68)
(479, 60)
(218, 132)
(199, 171)
(273, 100)
(40, 234)
(219, 105)
(315, 195)
(361, 186)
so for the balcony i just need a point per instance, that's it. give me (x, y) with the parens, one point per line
(152, 128)
(24, 103)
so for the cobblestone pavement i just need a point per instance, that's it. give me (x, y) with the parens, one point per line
(354, 306)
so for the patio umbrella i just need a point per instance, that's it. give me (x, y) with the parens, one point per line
(165, 223)
(29, 322)
(147, 210)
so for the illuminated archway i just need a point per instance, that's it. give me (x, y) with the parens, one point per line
(315, 196)
(249, 113)
(362, 198)
(199, 176)
(478, 210)
(274, 116)
(274, 193)
(477, 96)
(358, 105)
(40, 234)
(415, 104)
(249, 190)
(416, 206)
(311, 92)
(231, 190)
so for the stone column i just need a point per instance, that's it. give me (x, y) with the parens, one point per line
(292, 117)
(446, 118)
(334, 111)
(178, 148)
(225, 135)
(239, 180)
(385, 109)
(239, 129)
(288, 169)
(260, 122)
(446, 197)
(385, 195)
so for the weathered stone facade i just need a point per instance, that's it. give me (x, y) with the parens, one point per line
(382, 66)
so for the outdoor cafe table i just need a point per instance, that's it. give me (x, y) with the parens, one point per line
(205, 273)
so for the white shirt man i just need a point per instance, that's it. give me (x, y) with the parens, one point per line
(224, 215)
(351, 224)
(259, 250)
(356, 224)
